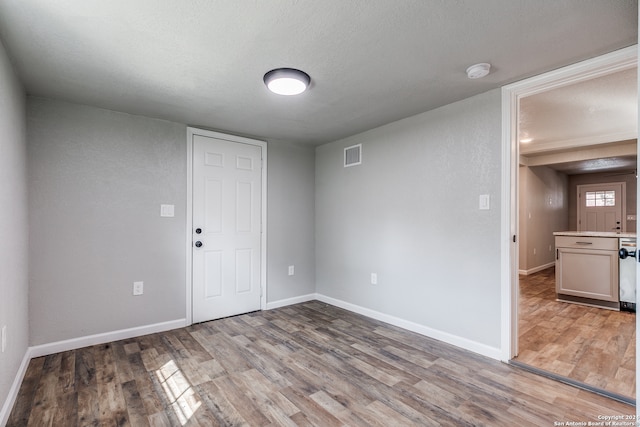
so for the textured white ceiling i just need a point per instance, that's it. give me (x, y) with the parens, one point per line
(201, 62)
(601, 110)
(595, 112)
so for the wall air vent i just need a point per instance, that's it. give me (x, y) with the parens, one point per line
(353, 155)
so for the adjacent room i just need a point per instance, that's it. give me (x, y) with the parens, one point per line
(289, 212)
(585, 147)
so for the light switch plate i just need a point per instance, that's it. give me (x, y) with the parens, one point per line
(138, 288)
(167, 210)
(292, 270)
(4, 338)
(485, 202)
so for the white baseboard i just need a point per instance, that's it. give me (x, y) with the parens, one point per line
(291, 301)
(15, 388)
(536, 269)
(72, 344)
(476, 347)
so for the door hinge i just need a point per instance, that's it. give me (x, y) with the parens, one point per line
(514, 238)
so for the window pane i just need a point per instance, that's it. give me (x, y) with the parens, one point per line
(600, 198)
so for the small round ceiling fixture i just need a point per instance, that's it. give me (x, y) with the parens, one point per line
(478, 70)
(287, 81)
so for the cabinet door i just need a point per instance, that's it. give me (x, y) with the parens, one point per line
(587, 273)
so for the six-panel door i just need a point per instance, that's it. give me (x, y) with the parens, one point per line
(227, 180)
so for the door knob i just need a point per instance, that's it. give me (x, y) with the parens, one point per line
(623, 253)
(198, 244)
(198, 230)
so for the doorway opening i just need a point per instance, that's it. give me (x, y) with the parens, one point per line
(550, 162)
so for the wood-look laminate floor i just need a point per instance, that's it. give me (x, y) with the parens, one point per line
(586, 344)
(310, 364)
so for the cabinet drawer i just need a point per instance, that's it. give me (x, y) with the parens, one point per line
(603, 243)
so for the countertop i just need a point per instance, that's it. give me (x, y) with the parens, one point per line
(593, 234)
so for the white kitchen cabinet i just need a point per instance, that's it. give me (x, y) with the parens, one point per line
(587, 267)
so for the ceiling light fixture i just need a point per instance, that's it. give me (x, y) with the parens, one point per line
(287, 81)
(478, 70)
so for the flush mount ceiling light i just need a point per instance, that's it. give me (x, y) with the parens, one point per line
(287, 81)
(478, 70)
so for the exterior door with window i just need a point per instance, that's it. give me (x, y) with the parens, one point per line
(601, 207)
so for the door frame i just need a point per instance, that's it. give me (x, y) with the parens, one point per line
(191, 132)
(511, 94)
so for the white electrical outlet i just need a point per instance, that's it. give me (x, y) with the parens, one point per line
(292, 270)
(534, 251)
(374, 278)
(4, 338)
(138, 288)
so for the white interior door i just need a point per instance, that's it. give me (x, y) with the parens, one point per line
(227, 205)
(601, 207)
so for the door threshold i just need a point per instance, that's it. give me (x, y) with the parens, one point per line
(611, 395)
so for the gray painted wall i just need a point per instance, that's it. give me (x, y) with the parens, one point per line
(291, 220)
(14, 232)
(544, 208)
(97, 179)
(410, 214)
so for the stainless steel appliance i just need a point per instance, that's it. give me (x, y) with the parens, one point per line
(627, 273)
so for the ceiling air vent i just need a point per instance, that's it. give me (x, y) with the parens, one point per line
(353, 155)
